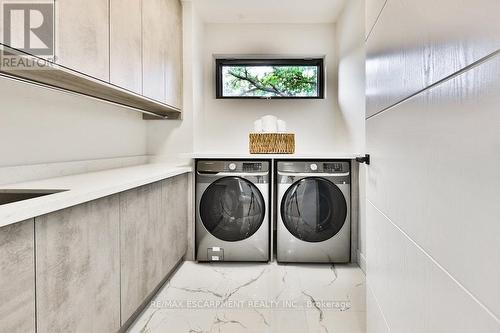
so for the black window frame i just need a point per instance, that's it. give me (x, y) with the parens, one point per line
(318, 62)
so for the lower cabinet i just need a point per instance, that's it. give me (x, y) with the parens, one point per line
(94, 264)
(177, 212)
(153, 238)
(17, 278)
(77, 268)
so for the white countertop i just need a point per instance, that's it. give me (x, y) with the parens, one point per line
(83, 188)
(317, 156)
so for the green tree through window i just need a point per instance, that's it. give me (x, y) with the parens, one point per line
(269, 80)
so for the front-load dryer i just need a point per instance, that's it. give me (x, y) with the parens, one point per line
(313, 222)
(232, 210)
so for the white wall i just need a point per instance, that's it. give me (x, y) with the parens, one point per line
(40, 126)
(320, 125)
(433, 132)
(351, 49)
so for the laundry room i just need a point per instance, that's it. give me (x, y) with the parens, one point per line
(190, 166)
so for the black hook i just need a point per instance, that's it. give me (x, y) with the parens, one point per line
(365, 159)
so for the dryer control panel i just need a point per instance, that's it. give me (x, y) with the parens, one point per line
(314, 166)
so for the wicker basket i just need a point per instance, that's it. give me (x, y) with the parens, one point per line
(272, 143)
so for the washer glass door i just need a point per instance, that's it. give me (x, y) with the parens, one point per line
(313, 209)
(232, 209)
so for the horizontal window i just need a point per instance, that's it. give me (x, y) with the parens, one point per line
(270, 78)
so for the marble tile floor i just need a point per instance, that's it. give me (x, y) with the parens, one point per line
(253, 297)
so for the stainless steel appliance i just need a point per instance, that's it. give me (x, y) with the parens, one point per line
(232, 210)
(313, 222)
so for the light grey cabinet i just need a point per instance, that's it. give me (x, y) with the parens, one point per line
(173, 78)
(177, 211)
(138, 250)
(17, 278)
(95, 263)
(117, 50)
(125, 44)
(82, 36)
(154, 49)
(162, 51)
(153, 238)
(77, 268)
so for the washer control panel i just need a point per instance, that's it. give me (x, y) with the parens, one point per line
(334, 167)
(203, 166)
(249, 167)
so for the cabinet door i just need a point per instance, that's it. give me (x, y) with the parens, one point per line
(174, 53)
(177, 215)
(77, 268)
(154, 45)
(17, 278)
(153, 238)
(125, 44)
(140, 228)
(82, 36)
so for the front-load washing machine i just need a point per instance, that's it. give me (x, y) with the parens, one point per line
(232, 210)
(313, 223)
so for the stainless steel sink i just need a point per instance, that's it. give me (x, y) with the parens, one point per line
(10, 196)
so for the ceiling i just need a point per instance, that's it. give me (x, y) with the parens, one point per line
(269, 11)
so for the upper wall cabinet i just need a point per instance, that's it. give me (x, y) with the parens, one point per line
(174, 53)
(126, 44)
(127, 52)
(82, 36)
(154, 39)
(162, 51)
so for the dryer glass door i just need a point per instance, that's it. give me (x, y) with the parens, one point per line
(232, 209)
(313, 209)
